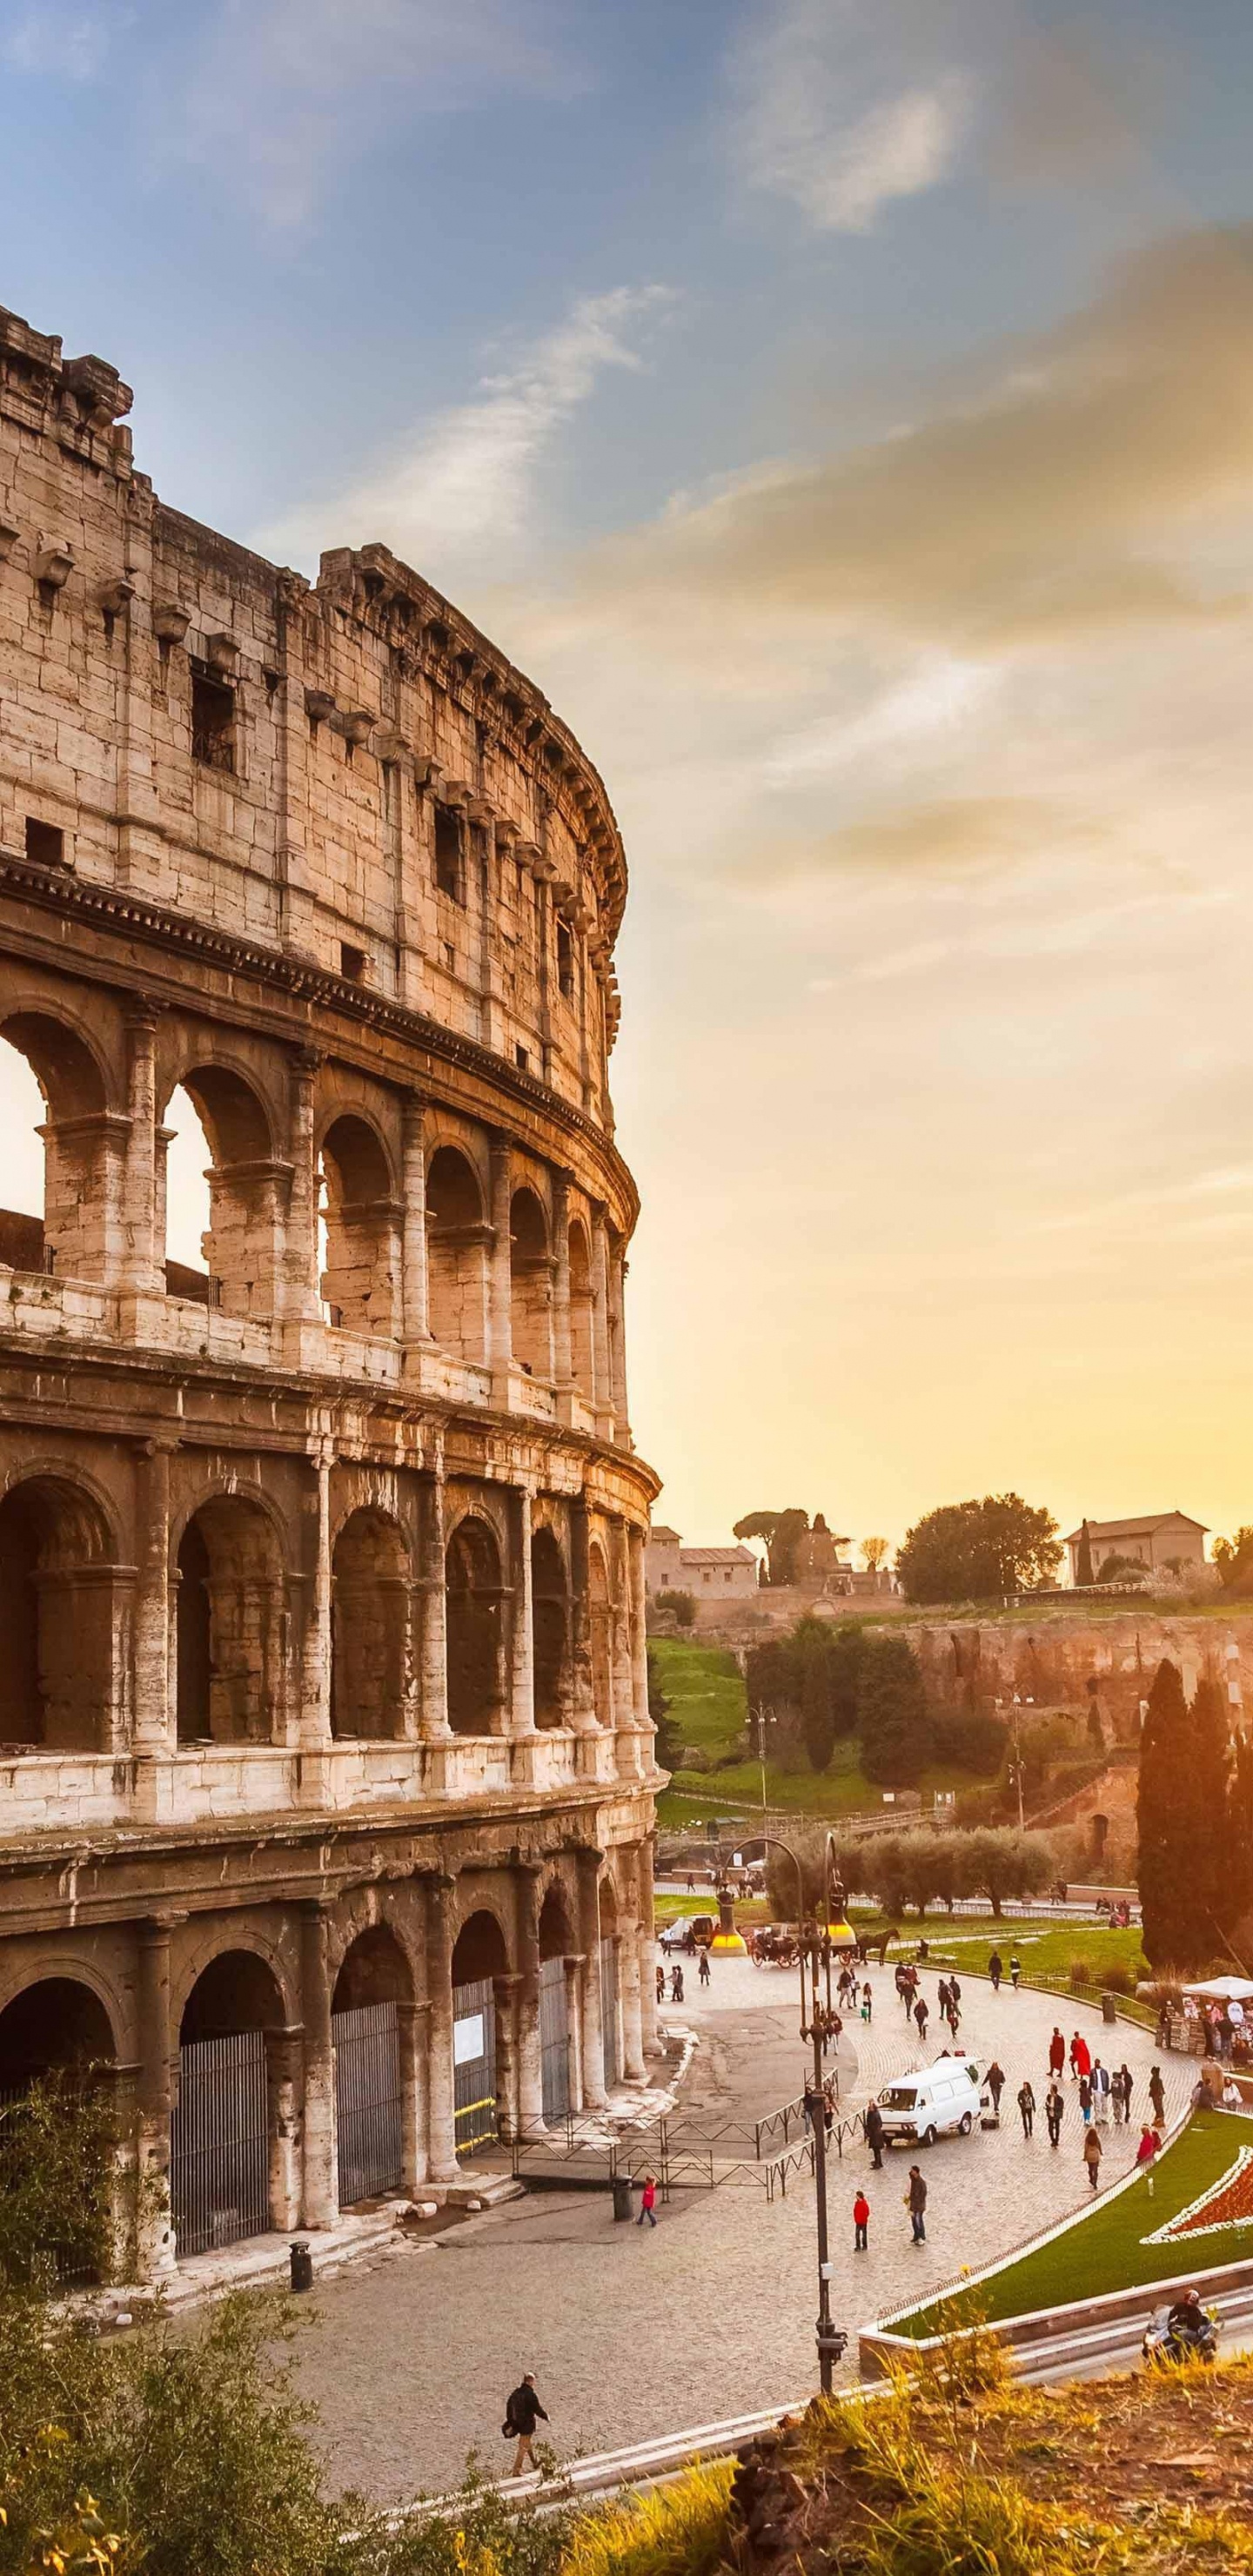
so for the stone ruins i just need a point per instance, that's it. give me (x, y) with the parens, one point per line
(326, 1765)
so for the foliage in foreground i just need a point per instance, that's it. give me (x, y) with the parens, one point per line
(678, 2530)
(58, 2147)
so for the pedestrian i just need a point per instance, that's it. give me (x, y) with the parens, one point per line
(954, 1990)
(908, 1982)
(921, 2016)
(676, 1983)
(1054, 2107)
(1015, 1969)
(872, 2123)
(1080, 2057)
(811, 2105)
(522, 2412)
(648, 2198)
(703, 1971)
(1127, 2088)
(1100, 2092)
(1145, 2153)
(1085, 2098)
(1157, 2095)
(954, 2017)
(916, 2204)
(996, 1970)
(867, 2001)
(861, 2221)
(1057, 2053)
(691, 1885)
(1026, 2105)
(1092, 2153)
(996, 2085)
(661, 1983)
(941, 1997)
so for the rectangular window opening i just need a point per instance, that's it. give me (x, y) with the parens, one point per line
(448, 873)
(522, 1059)
(45, 842)
(212, 719)
(352, 962)
(565, 961)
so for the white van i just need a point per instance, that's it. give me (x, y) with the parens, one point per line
(939, 2101)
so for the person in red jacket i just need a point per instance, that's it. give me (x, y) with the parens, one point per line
(1057, 2053)
(861, 2221)
(647, 2198)
(1080, 2057)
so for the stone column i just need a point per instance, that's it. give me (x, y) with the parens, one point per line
(432, 1580)
(617, 1271)
(416, 1330)
(582, 1684)
(588, 1862)
(563, 1356)
(143, 1258)
(505, 1991)
(301, 1300)
(621, 1646)
(633, 2068)
(530, 2068)
(601, 1364)
(639, 1631)
(441, 2116)
(646, 1867)
(320, 2195)
(500, 1296)
(574, 1964)
(154, 2232)
(155, 1713)
(284, 2094)
(522, 1619)
(411, 2022)
(315, 1677)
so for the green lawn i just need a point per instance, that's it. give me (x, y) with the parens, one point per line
(708, 1708)
(1103, 2250)
(1045, 1948)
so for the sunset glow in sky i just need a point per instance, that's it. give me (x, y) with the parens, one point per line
(844, 410)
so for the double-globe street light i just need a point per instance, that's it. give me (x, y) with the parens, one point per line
(813, 1942)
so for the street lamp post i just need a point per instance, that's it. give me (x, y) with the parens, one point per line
(814, 1949)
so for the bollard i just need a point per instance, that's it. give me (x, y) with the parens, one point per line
(1109, 2008)
(621, 2196)
(301, 2267)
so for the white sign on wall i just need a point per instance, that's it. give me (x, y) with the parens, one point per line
(467, 2040)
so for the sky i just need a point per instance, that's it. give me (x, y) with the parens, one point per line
(844, 410)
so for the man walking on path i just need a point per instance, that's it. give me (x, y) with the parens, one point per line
(1054, 2107)
(1157, 2095)
(1015, 1969)
(916, 2203)
(703, 1970)
(996, 2085)
(1026, 2105)
(647, 2200)
(1057, 2054)
(1126, 2087)
(1080, 2057)
(1100, 2092)
(921, 2016)
(996, 1971)
(872, 2122)
(1092, 2152)
(522, 2411)
(861, 2221)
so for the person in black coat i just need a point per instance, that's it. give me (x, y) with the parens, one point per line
(872, 2123)
(1026, 2105)
(1054, 2111)
(522, 2413)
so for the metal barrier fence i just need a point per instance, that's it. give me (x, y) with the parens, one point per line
(219, 2143)
(367, 2101)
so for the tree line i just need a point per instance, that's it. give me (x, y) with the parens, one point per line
(823, 1684)
(915, 1869)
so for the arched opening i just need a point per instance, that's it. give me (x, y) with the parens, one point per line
(557, 2006)
(369, 1627)
(582, 1345)
(58, 2147)
(236, 2107)
(57, 2026)
(63, 1165)
(550, 1618)
(475, 1685)
(600, 1622)
(57, 1628)
(373, 2048)
(531, 1284)
(478, 1959)
(610, 2005)
(456, 1256)
(222, 1219)
(229, 1625)
(359, 1280)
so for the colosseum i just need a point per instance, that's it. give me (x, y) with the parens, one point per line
(327, 1768)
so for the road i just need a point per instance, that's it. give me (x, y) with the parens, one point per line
(632, 2333)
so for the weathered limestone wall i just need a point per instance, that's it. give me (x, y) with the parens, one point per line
(1063, 1660)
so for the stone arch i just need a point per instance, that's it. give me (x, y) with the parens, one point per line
(600, 1624)
(229, 1623)
(375, 1969)
(54, 2024)
(236, 2118)
(550, 1620)
(72, 1231)
(556, 1937)
(241, 1243)
(608, 1906)
(370, 1580)
(531, 1283)
(582, 1329)
(361, 1217)
(456, 1254)
(474, 1598)
(236, 1990)
(59, 1617)
(481, 1949)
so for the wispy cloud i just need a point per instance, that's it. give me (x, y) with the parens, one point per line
(274, 89)
(841, 109)
(459, 498)
(60, 44)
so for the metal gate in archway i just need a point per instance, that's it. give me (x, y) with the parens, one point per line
(609, 2009)
(368, 2119)
(474, 2063)
(554, 2039)
(220, 2143)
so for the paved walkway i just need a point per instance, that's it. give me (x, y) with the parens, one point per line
(631, 2333)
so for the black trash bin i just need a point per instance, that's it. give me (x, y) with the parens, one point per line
(1109, 2009)
(301, 2268)
(622, 2196)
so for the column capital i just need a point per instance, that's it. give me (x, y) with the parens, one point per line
(141, 1013)
(156, 1928)
(306, 1061)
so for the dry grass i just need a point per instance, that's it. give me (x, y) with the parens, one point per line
(676, 2530)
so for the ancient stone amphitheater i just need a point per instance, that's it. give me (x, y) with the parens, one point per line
(326, 1766)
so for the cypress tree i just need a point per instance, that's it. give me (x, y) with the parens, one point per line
(1185, 1764)
(1236, 1879)
(896, 1730)
(1083, 1557)
(818, 1706)
(1160, 1745)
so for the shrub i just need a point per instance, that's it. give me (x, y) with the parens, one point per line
(971, 1737)
(680, 1606)
(678, 2530)
(1080, 1973)
(1116, 1978)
